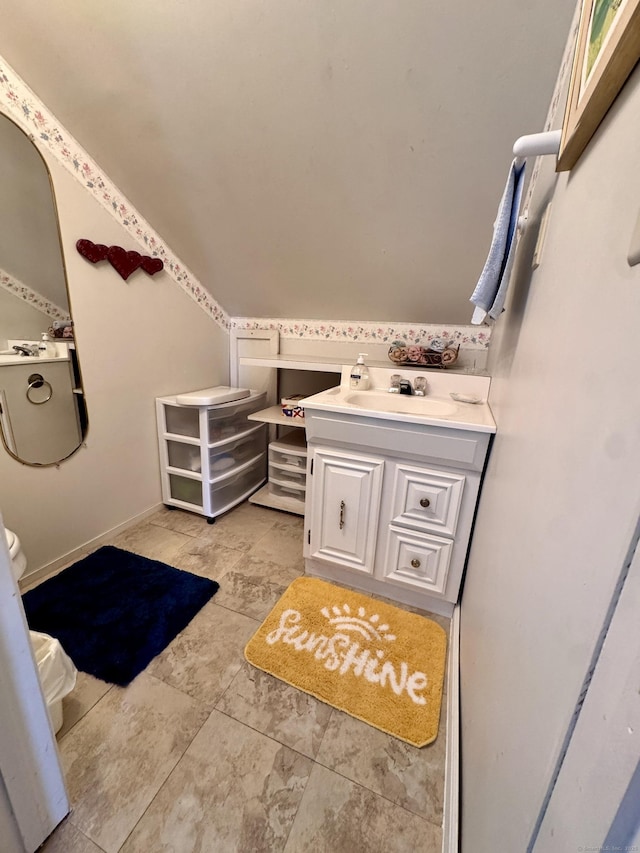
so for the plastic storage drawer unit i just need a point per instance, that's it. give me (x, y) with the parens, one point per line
(211, 456)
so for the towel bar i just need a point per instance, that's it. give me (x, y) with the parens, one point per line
(537, 143)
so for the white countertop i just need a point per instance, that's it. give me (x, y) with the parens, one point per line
(27, 359)
(438, 407)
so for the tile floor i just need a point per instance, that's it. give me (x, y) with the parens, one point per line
(204, 754)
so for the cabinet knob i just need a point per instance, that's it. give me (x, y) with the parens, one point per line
(425, 502)
(415, 563)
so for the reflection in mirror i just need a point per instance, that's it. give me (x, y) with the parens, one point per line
(42, 412)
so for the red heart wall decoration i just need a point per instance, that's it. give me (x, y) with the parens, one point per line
(151, 265)
(123, 262)
(93, 252)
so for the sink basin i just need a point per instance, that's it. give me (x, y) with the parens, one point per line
(400, 403)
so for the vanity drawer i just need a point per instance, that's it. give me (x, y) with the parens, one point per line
(417, 561)
(426, 499)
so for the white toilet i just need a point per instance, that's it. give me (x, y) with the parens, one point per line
(18, 559)
(55, 668)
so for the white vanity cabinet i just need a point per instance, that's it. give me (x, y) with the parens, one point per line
(390, 505)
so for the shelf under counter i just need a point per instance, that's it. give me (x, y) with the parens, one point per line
(273, 415)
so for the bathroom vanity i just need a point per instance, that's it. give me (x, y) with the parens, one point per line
(393, 484)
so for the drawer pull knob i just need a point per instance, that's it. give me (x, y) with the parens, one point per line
(425, 502)
(342, 506)
(415, 563)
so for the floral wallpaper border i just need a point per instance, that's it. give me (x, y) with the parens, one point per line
(16, 288)
(24, 107)
(469, 337)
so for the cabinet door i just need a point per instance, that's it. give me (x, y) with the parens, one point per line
(345, 504)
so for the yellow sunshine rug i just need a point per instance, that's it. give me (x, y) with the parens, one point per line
(376, 662)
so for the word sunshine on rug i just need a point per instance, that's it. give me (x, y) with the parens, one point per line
(341, 653)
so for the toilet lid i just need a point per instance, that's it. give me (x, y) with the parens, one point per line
(11, 538)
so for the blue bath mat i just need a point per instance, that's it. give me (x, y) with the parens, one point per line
(114, 611)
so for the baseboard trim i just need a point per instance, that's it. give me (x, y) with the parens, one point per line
(451, 811)
(32, 578)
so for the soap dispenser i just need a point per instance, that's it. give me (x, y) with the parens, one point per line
(359, 378)
(46, 347)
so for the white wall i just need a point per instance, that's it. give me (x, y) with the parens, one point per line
(561, 497)
(18, 319)
(137, 340)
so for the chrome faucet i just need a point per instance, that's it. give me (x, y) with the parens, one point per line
(27, 349)
(394, 383)
(420, 386)
(398, 385)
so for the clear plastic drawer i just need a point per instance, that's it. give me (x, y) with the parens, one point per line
(227, 490)
(231, 418)
(224, 420)
(286, 475)
(230, 454)
(185, 456)
(182, 420)
(185, 489)
(287, 490)
(289, 450)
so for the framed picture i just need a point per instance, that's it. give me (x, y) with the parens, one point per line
(607, 49)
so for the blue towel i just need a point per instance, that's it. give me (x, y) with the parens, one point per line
(491, 289)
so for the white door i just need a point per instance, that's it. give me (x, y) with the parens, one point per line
(345, 505)
(29, 764)
(594, 802)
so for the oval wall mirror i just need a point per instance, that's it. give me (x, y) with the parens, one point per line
(43, 417)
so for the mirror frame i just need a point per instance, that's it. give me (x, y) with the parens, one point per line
(84, 432)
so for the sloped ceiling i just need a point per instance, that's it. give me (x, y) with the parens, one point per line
(334, 159)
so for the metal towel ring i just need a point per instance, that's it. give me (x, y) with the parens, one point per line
(36, 381)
